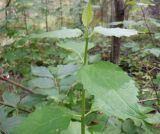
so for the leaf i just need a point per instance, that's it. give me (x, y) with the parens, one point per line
(87, 14)
(154, 51)
(129, 127)
(145, 4)
(47, 120)
(10, 98)
(60, 34)
(154, 119)
(41, 71)
(67, 82)
(66, 70)
(74, 128)
(10, 123)
(49, 92)
(115, 93)
(41, 83)
(157, 80)
(31, 100)
(74, 46)
(117, 32)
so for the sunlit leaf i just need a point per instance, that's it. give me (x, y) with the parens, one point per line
(117, 32)
(87, 14)
(60, 34)
(75, 46)
(154, 51)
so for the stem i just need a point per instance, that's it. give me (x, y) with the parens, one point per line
(86, 50)
(83, 91)
(83, 113)
(25, 22)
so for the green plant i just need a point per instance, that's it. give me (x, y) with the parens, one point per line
(113, 90)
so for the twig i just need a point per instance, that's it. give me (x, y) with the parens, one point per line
(21, 109)
(16, 84)
(149, 31)
(152, 99)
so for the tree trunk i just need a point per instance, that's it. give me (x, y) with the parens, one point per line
(6, 11)
(119, 7)
(46, 16)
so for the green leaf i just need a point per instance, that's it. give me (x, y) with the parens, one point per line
(74, 128)
(66, 70)
(67, 83)
(60, 34)
(49, 92)
(115, 93)
(87, 14)
(131, 3)
(10, 123)
(41, 71)
(117, 32)
(10, 98)
(41, 83)
(129, 127)
(157, 80)
(47, 120)
(74, 46)
(154, 119)
(154, 51)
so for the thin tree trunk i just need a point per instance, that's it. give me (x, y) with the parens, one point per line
(61, 13)
(46, 16)
(119, 6)
(25, 22)
(6, 11)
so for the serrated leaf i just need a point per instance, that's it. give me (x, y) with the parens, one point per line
(47, 120)
(117, 32)
(60, 34)
(10, 98)
(41, 83)
(115, 93)
(74, 46)
(41, 71)
(87, 14)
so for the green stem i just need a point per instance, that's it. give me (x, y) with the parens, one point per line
(83, 113)
(86, 50)
(83, 91)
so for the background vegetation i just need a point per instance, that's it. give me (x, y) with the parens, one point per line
(46, 85)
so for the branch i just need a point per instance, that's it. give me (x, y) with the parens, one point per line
(21, 109)
(16, 84)
(149, 31)
(141, 101)
(8, 3)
